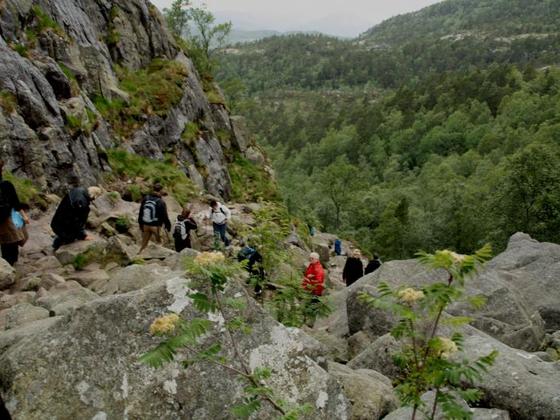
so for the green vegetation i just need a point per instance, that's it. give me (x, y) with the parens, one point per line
(250, 182)
(191, 132)
(122, 224)
(426, 358)
(166, 172)
(44, 22)
(71, 77)
(212, 274)
(153, 91)
(414, 167)
(8, 101)
(98, 255)
(28, 192)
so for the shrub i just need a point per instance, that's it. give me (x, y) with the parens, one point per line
(250, 182)
(122, 224)
(426, 358)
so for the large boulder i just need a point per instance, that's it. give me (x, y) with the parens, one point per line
(507, 314)
(518, 382)
(7, 274)
(428, 398)
(64, 298)
(46, 375)
(533, 268)
(370, 393)
(135, 277)
(24, 313)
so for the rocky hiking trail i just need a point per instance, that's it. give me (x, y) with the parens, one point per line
(73, 328)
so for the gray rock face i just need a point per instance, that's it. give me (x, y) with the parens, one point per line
(86, 365)
(533, 268)
(72, 61)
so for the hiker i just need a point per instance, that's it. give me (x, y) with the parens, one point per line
(373, 265)
(182, 230)
(314, 277)
(353, 269)
(254, 261)
(337, 247)
(152, 216)
(220, 214)
(12, 223)
(70, 218)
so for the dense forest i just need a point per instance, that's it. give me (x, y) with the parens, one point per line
(428, 141)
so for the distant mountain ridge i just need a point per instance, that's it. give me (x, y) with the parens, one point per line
(448, 36)
(501, 18)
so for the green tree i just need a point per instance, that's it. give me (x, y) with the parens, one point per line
(177, 17)
(208, 36)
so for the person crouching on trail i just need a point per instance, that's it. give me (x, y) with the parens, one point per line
(182, 230)
(152, 216)
(314, 278)
(69, 220)
(220, 214)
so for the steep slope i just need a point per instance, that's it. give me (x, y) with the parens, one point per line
(81, 77)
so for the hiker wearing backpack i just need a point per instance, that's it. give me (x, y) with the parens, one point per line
(152, 216)
(12, 222)
(182, 230)
(220, 214)
(70, 218)
(254, 265)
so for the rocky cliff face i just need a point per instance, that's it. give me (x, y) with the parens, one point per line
(63, 103)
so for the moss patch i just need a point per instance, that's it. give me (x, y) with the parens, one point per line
(166, 172)
(8, 101)
(153, 91)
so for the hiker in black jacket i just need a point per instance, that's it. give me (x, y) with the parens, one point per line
(152, 216)
(373, 265)
(69, 220)
(182, 230)
(353, 269)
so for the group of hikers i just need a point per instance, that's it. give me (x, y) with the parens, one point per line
(70, 219)
(71, 215)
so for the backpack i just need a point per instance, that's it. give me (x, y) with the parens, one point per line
(180, 231)
(149, 211)
(245, 253)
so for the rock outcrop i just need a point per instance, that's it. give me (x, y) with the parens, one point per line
(62, 63)
(86, 365)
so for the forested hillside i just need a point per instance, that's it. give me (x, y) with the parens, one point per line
(430, 140)
(452, 35)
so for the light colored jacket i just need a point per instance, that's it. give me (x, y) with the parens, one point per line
(221, 215)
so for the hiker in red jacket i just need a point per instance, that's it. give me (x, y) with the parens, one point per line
(314, 277)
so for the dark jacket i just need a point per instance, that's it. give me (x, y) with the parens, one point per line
(72, 213)
(353, 270)
(373, 265)
(161, 213)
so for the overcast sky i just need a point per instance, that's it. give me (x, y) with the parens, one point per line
(337, 17)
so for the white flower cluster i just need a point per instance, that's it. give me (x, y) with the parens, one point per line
(457, 258)
(448, 347)
(409, 295)
(164, 324)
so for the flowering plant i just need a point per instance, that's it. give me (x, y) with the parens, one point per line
(426, 360)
